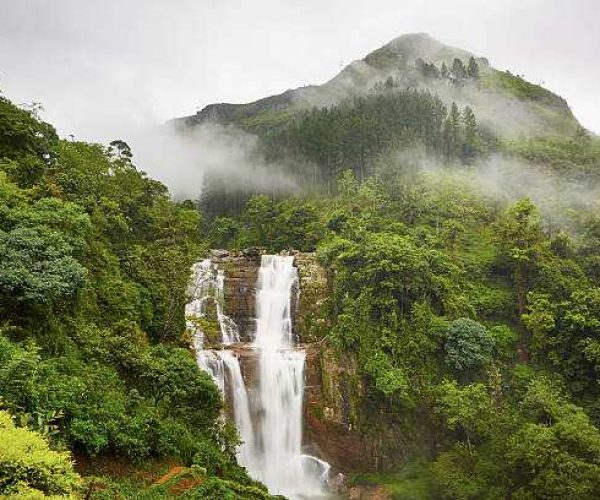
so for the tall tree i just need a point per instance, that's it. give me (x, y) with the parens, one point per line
(444, 70)
(470, 144)
(520, 237)
(473, 69)
(459, 72)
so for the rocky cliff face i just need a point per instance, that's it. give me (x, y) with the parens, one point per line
(241, 273)
(341, 424)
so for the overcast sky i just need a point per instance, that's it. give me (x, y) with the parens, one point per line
(103, 68)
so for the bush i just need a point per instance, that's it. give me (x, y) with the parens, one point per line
(468, 344)
(227, 490)
(28, 468)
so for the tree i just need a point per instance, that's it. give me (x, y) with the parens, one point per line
(444, 71)
(260, 216)
(121, 150)
(564, 332)
(37, 267)
(555, 453)
(473, 69)
(468, 344)
(467, 410)
(26, 144)
(458, 71)
(471, 144)
(519, 234)
(452, 131)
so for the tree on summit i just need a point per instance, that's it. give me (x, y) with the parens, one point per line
(459, 72)
(473, 69)
(444, 70)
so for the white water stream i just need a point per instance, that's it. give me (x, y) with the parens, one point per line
(269, 424)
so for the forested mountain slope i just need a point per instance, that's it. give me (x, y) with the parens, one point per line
(454, 210)
(413, 95)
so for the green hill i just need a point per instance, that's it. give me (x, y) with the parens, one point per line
(499, 98)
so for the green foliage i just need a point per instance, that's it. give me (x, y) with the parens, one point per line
(29, 469)
(575, 158)
(412, 482)
(565, 335)
(557, 444)
(38, 267)
(227, 490)
(468, 344)
(95, 262)
(521, 88)
(290, 224)
(26, 144)
(519, 234)
(353, 133)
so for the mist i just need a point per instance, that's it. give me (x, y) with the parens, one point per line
(102, 73)
(182, 159)
(502, 179)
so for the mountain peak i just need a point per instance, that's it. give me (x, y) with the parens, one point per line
(411, 46)
(503, 102)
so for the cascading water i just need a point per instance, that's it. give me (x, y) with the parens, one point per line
(270, 422)
(278, 460)
(208, 284)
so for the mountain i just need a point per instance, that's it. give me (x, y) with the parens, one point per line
(505, 103)
(428, 307)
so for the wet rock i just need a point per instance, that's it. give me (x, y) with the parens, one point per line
(252, 251)
(340, 424)
(219, 253)
(310, 318)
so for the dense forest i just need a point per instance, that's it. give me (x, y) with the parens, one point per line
(471, 313)
(95, 259)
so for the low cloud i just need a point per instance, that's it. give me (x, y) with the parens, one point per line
(182, 160)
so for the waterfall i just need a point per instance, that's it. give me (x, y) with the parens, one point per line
(281, 465)
(207, 284)
(241, 408)
(270, 419)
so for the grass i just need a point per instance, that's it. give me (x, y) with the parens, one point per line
(409, 483)
(572, 157)
(521, 88)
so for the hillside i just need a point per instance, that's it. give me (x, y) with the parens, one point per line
(414, 96)
(504, 102)
(393, 292)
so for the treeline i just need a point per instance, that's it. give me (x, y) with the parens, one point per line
(457, 73)
(352, 134)
(317, 146)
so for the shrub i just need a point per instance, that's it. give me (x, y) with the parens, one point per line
(468, 344)
(28, 468)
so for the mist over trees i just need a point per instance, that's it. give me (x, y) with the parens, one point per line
(462, 271)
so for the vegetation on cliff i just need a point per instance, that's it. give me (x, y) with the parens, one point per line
(472, 316)
(95, 259)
